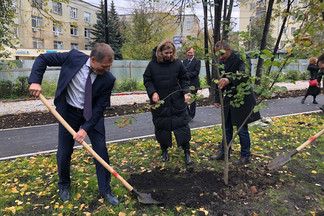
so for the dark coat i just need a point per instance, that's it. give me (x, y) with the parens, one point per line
(193, 71)
(71, 63)
(313, 90)
(313, 69)
(233, 65)
(168, 79)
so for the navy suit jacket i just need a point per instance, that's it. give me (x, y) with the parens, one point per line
(71, 62)
(193, 71)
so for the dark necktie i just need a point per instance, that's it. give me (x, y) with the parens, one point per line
(87, 110)
(187, 66)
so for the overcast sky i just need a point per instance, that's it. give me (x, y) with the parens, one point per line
(127, 6)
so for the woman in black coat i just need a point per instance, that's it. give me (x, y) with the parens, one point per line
(165, 78)
(312, 90)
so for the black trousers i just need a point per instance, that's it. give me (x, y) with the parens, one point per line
(65, 149)
(182, 135)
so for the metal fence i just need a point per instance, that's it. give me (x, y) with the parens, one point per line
(125, 69)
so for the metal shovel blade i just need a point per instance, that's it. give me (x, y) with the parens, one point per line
(145, 198)
(279, 161)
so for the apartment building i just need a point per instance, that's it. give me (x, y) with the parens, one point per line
(50, 26)
(256, 8)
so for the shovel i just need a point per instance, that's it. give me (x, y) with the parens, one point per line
(282, 159)
(144, 198)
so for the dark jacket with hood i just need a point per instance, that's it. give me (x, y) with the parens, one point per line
(234, 69)
(171, 81)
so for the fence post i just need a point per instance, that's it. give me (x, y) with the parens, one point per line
(131, 70)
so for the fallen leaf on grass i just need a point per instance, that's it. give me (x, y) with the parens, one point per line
(314, 171)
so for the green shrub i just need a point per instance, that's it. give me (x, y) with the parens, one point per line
(126, 85)
(48, 88)
(292, 75)
(304, 75)
(6, 87)
(21, 86)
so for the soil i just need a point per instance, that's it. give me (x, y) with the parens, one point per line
(197, 188)
(42, 118)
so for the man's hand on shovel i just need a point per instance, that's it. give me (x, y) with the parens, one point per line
(35, 89)
(80, 136)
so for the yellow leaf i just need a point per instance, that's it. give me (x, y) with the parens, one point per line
(81, 206)
(121, 214)
(12, 209)
(77, 197)
(46, 207)
(18, 202)
(314, 171)
(178, 208)
(132, 213)
(312, 213)
(70, 206)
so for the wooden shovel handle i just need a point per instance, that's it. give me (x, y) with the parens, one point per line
(310, 140)
(84, 144)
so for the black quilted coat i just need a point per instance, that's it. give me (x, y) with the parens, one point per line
(171, 81)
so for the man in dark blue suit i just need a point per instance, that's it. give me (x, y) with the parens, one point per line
(193, 67)
(77, 69)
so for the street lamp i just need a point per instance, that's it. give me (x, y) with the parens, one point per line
(106, 23)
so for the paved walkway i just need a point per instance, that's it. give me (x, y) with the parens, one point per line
(24, 106)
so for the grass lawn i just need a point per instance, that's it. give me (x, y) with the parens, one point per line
(29, 185)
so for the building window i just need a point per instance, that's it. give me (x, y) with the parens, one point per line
(38, 43)
(285, 30)
(37, 4)
(16, 35)
(188, 25)
(37, 22)
(87, 17)
(293, 29)
(14, 6)
(74, 13)
(58, 45)
(74, 30)
(57, 8)
(57, 27)
(87, 33)
(74, 46)
(88, 47)
(252, 6)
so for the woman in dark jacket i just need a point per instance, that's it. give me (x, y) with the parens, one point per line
(312, 90)
(165, 78)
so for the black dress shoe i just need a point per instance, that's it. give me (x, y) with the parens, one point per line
(187, 157)
(165, 156)
(219, 156)
(242, 161)
(64, 194)
(111, 198)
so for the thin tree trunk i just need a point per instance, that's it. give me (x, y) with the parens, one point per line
(264, 41)
(275, 49)
(208, 76)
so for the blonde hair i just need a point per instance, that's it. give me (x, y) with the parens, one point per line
(164, 45)
(312, 60)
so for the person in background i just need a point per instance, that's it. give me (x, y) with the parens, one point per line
(313, 90)
(234, 76)
(166, 78)
(320, 64)
(83, 92)
(193, 67)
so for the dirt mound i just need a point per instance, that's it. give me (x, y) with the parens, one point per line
(201, 188)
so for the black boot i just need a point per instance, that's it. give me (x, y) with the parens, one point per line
(187, 156)
(165, 156)
(303, 100)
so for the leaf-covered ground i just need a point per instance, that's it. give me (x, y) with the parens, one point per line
(29, 185)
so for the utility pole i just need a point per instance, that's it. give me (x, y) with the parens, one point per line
(106, 23)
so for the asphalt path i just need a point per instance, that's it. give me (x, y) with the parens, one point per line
(42, 139)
